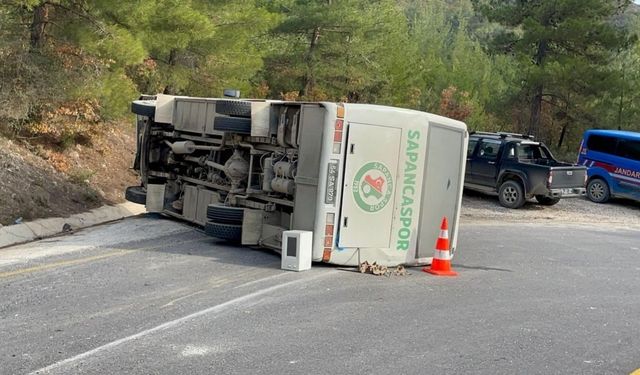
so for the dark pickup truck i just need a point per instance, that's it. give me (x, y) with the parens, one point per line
(518, 168)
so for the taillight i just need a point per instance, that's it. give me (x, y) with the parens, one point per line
(328, 237)
(550, 179)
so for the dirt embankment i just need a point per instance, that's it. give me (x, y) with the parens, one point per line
(37, 181)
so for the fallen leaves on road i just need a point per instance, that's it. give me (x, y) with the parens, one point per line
(380, 270)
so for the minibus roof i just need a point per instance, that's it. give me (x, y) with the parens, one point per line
(615, 133)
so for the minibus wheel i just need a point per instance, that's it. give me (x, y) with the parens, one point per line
(234, 108)
(136, 194)
(227, 232)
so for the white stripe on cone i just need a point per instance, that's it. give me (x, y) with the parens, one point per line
(442, 255)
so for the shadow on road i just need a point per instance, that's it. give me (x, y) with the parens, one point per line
(195, 243)
(482, 268)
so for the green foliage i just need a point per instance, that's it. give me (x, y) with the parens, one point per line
(490, 63)
(619, 107)
(449, 59)
(118, 47)
(342, 50)
(235, 52)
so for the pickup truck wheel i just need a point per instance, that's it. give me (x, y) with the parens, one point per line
(238, 108)
(511, 194)
(136, 194)
(547, 201)
(228, 232)
(239, 125)
(598, 190)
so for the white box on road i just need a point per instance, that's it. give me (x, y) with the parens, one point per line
(296, 250)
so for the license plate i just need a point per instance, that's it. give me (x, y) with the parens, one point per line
(567, 191)
(332, 177)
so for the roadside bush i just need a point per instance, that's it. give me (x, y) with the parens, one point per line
(67, 125)
(81, 175)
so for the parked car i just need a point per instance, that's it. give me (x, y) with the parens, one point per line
(613, 158)
(519, 168)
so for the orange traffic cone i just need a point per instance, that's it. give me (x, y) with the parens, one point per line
(441, 264)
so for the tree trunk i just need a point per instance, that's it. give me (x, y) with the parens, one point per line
(566, 121)
(309, 78)
(562, 134)
(170, 89)
(621, 102)
(536, 109)
(38, 26)
(536, 100)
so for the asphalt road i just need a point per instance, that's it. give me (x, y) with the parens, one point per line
(153, 296)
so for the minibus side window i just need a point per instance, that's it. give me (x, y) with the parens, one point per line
(629, 149)
(601, 143)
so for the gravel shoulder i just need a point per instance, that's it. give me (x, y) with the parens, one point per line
(478, 208)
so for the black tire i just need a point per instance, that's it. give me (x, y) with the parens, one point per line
(136, 194)
(144, 108)
(228, 232)
(232, 124)
(238, 108)
(598, 190)
(511, 194)
(222, 214)
(547, 201)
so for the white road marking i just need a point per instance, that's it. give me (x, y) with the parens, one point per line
(181, 298)
(261, 280)
(193, 350)
(174, 323)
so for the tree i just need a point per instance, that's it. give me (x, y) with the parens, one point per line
(450, 68)
(110, 50)
(563, 47)
(59, 51)
(199, 47)
(339, 50)
(620, 106)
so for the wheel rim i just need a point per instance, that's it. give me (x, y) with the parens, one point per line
(510, 194)
(596, 191)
